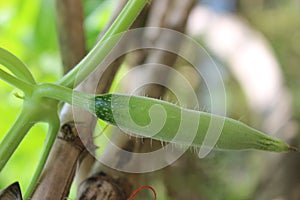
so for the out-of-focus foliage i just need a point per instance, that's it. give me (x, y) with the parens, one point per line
(279, 21)
(96, 16)
(237, 175)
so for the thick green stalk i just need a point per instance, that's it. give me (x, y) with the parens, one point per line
(73, 97)
(14, 136)
(104, 46)
(52, 133)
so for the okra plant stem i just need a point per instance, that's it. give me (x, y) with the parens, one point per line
(103, 47)
(51, 136)
(14, 136)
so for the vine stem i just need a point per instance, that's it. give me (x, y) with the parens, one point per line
(139, 189)
(52, 133)
(72, 97)
(14, 136)
(103, 47)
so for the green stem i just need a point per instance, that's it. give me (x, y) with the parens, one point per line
(14, 136)
(102, 48)
(27, 88)
(16, 66)
(67, 95)
(52, 133)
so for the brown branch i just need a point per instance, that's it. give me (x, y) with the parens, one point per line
(70, 32)
(12, 192)
(102, 186)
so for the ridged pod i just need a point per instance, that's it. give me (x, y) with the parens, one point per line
(138, 115)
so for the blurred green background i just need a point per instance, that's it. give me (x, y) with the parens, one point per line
(27, 29)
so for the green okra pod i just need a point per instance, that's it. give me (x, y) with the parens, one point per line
(162, 120)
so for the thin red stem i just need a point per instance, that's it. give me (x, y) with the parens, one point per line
(140, 188)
